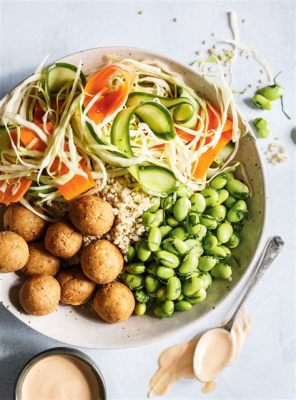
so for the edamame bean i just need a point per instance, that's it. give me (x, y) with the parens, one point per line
(158, 219)
(188, 265)
(223, 195)
(167, 307)
(164, 273)
(151, 269)
(179, 232)
(191, 243)
(238, 211)
(143, 251)
(219, 181)
(192, 222)
(230, 175)
(168, 259)
(230, 201)
(272, 92)
(172, 222)
(173, 290)
(167, 203)
(155, 206)
(198, 203)
(261, 102)
(209, 222)
(211, 197)
(206, 263)
(133, 281)
(184, 191)
(210, 242)
(154, 239)
(151, 283)
(174, 245)
(141, 296)
(161, 293)
(158, 311)
(181, 208)
(199, 232)
(217, 212)
(165, 230)
(237, 189)
(226, 249)
(224, 232)
(217, 251)
(197, 250)
(192, 285)
(140, 309)
(234, 241)
(221, 271)
(148, 218)
(183, 305)
(197, 297)
(130, 255)
(135, 268)
(181, 297)
(207, 280)
(262, 127)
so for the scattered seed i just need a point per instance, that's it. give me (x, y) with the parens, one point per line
(141, 12)
(197, 52)
(243, 20)
(175, 19)
(203, 42)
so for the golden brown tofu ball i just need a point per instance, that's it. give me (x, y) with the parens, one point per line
(14, 252)
(91, 215)
(62, 240)
(101, 261)
(41, 261)
(76, 288)
(114, 302)
(24, 222)
(40, 295)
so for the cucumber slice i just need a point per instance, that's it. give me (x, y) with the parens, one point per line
(224, 154)
(58, 75)
(191, 122)
(157, 180)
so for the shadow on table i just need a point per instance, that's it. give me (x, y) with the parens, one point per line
(18, 344)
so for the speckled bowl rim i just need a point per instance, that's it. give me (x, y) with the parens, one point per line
(65, 351)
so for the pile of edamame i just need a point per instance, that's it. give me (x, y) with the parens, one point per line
(188, 244)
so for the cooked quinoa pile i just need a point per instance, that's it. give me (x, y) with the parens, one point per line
(128, 202)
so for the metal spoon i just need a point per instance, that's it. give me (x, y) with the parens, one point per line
(207, 341)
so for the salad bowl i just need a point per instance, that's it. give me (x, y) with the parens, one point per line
(79, 326)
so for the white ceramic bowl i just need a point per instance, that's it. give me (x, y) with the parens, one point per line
(79, 326)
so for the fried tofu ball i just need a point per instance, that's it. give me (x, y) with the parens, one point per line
(101, 261)
(114, 302)
(24, 222)
(76, 288)
(40, 295)
(41, 261)
(91, 215)
(62, 240)
(14, 252)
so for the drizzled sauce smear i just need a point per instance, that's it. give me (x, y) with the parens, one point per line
(178, 362)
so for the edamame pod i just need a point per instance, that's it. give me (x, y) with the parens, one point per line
(140, 309)
(183, 305)
(135, 268)
(173, 290)
(206, 263)
(221, 271)
(154, 239)
(224, 232)
(198, 203)
(211, 197)
(181, 208)
(168, 259)
(237, 189)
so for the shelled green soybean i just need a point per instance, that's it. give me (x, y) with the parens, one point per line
(188, 244)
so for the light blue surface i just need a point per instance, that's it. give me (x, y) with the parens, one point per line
(30, 30)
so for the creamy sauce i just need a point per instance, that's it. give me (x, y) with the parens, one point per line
(216, 349)
(60, 377)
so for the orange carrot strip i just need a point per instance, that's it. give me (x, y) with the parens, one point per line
(206, 159)
(8, 197)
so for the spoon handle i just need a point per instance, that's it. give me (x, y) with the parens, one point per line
(270, 252)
